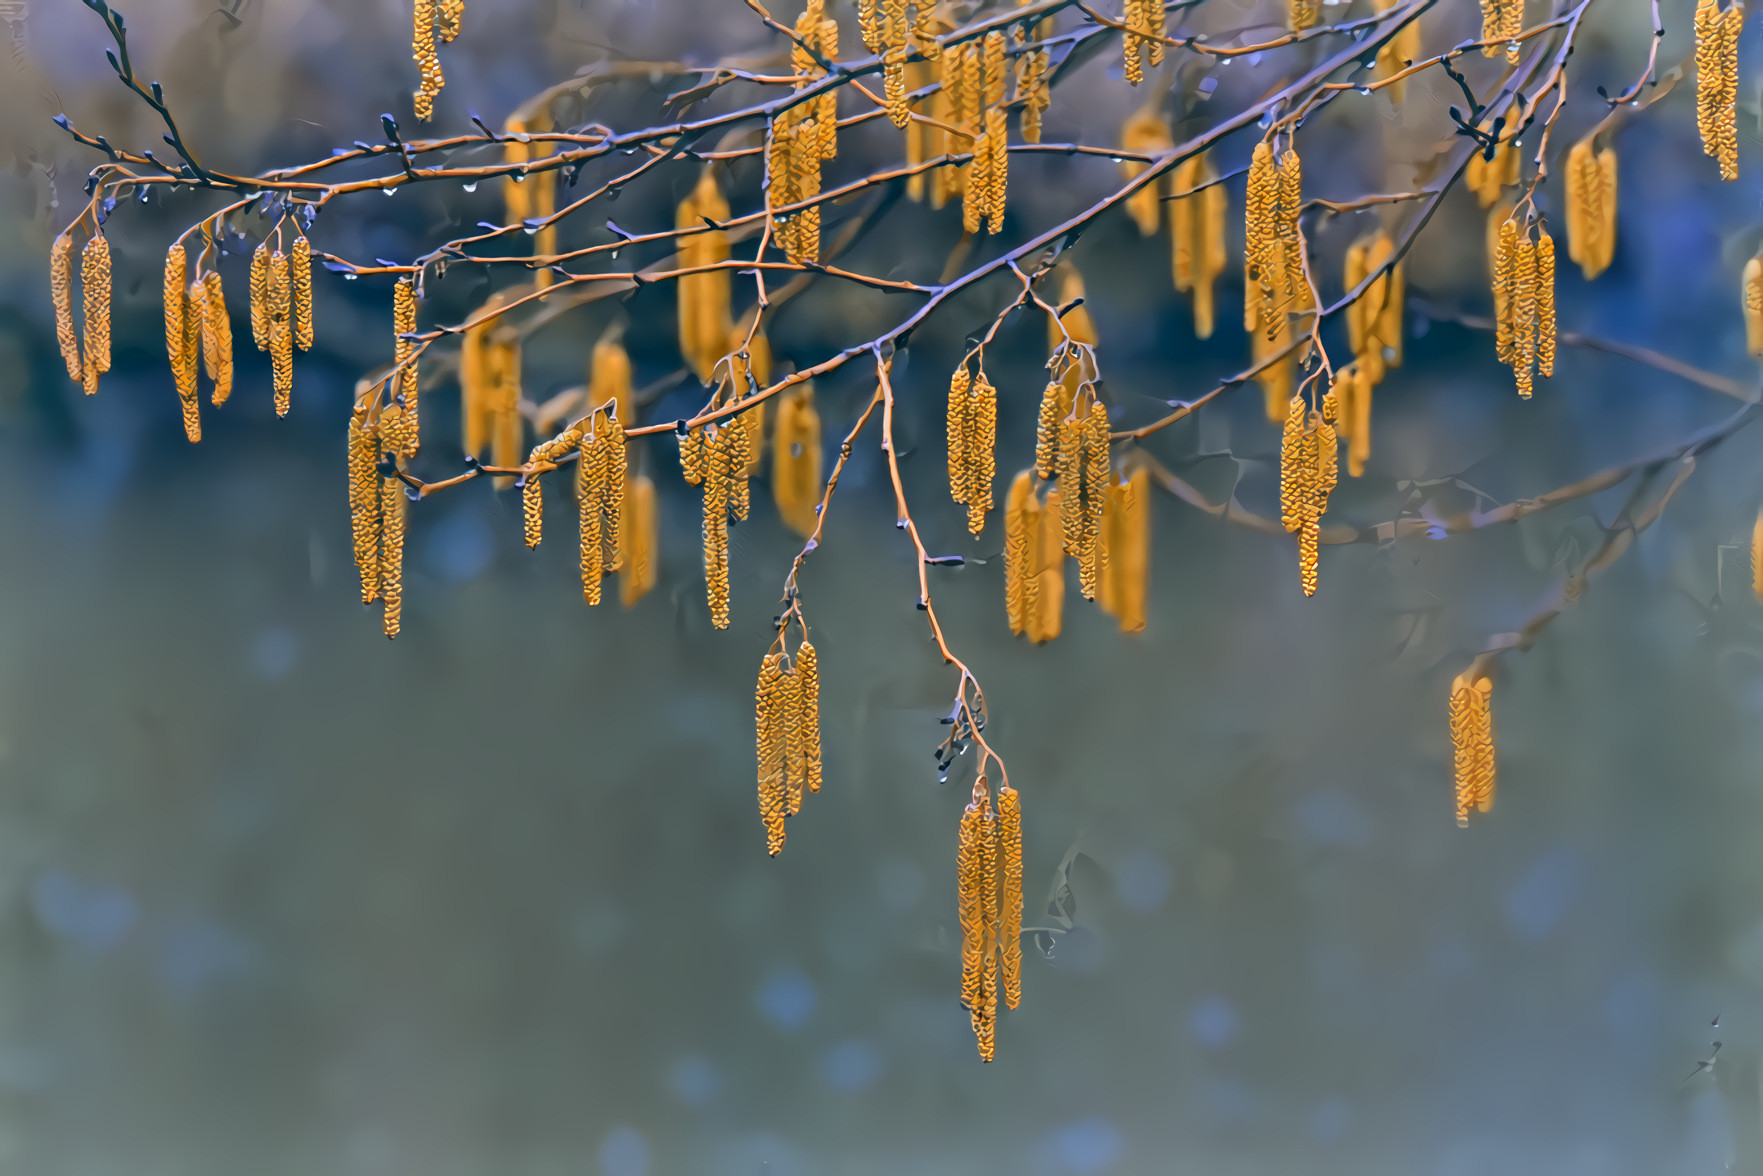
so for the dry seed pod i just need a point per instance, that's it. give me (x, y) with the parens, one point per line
(1472, 740)
(95, 287)
(259, 293)
(769, 724)
(300, 281)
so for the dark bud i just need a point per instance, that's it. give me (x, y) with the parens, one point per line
(390, 125)
(158, 94)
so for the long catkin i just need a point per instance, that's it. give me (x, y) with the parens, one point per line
(190, 359)
(300, 282)
(364, 503)
(259, 289)
(796, 461)
(640, 554)
(217, 338)
(970, 904)
(1010, 893)
(808, 706)
(986, 1026)
(175, 309)
(979, 451)
(1019, 518)
(769, 722)
(392, 553)
(61, 293)
(404, 323)
(281, 335)
(95, 289)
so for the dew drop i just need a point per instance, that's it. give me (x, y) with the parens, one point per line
(350, 277)
(390, 191)
(471, 187)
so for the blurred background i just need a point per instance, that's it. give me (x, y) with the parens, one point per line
(278, 894)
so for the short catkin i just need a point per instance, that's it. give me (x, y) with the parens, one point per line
(300, 282)
(281, 334)
(217, 338)
(95, 289)
(1472, 742)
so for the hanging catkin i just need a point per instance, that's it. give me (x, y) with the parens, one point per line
(364, 502)
(95, 289)
(591, 489)
(1751, 299)
(1021, 523)
(392, 553)
(1757, 556)
(639, 558)
(61, 292)
(190, 363)
(1196, 230)
(1717, 36)
(970, 900)
(259, 289)
(769, 722)
(281, 334)
(404, 323)
(1010, 893)
(1126, 525)
(957, 432)
(1472, 741)
(796, 460)
(986, 1024)
(1397, 53)
(174, 298)
(716, 587)
(1146, 133)
(424, 18)
(1048, 592)
(980, 422)
(300, 281)
(216, 326)
(807, 670)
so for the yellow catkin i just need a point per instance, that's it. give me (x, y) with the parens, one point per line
(175, 309)
(1751, 300)
(189, 363)
(95, 290)
(979, 451)
(428, 63)
(1049, 587)
(1397, 53)
(532, 502)
(769, 722)
(217, 337)
(300, 282)
(796, 461)
(1132, 41)
(1020, 516)
(1757, 556)
(1545, 282)
(985, 1027)
(1505, 277)
(281, 335)
(958, 430)
(894, 87)
(640, 556)
(404, 323)
(259, 288)
(716, 584)
(614, 476)
(740, 460)
(1126, 525)
(1511, 25)
(795, 779)
(970, 903)
(1491, 12)
(202, 305)
(1144, 133)
(452, 15)
(998, 170)
(61, 293)
(747, 377)
(1731, 26)
(1010, 894)
(1070, 473)
(591, 491)
(1196, 229)
(507, 427)
(392, 553)
(1472, 741)
(1296, 291)
(704, 296)
(808, 705)
(364, 503)
(1524, 303)
(1301, 14)
(1096, 476)
(978, 186)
